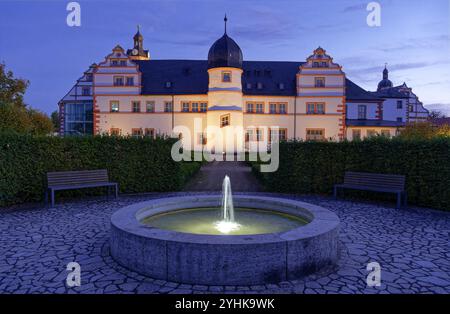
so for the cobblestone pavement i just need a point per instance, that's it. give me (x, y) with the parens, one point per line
(412, 246)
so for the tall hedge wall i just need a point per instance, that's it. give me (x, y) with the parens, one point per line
(314, 167)
(137, 164)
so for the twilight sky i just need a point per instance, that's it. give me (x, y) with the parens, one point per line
(37, 44)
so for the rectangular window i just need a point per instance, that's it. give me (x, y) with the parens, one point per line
(362, 112)
(371, 133)
(282, 135)
(130, 81)
(185, 107)
(324, 64)
(315, 134)
(136, 132)
(319, 82)
(86, 91)
(123, 63)
(399, 104)
(386, 133)
(224, 120)
(136, 106)
(201, 139)
(167, 106)
(399, 119)
(356, 134)
(226, 76)
(150, 132)
(114, 132)
(315, 64)
(249, 135)
(114, 106)
(203, 106)
(118, 80)
(259, 108)
(115, 63)
(150, 106)
(250, 107)
(282, 108)
(194, 107)
(315, 108)
(273, 108)
(259, 135)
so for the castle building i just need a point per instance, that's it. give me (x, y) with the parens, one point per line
(130, 94)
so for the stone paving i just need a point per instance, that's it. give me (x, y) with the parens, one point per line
(411, 245)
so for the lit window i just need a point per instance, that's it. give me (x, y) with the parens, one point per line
(386, 133)
(150, 132)
(114, 106)
(168, 106)
(319, 82)
(356, 134)
(259, 108)
(315, 134)
(195, 107)
(362, 112)
(203, 107)
(114, 132)
(226, 76)
(371, 133)
(249, 107)
(130, 81)
(224, 120)
(118, 80)
(136, 106)
(136, 132)
(150, 106)
(185, 107)
(86, 91)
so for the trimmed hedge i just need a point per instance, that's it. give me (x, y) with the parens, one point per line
(314, 167)
(137, 164)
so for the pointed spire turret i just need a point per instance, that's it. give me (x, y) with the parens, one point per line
(225, 21)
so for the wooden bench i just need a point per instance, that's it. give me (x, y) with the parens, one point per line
(70, 180)
(388, 183)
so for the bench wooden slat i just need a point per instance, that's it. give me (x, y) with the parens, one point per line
(65, 180)
(379, 182)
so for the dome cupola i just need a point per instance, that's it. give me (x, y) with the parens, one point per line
(225, 52)
(385, 82)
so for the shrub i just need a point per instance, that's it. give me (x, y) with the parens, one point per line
(137, 164)
(314, 167)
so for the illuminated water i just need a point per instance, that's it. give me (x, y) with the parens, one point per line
(208, 220)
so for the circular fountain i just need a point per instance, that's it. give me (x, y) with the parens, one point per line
(224, 240)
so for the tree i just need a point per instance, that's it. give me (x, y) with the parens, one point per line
(424, 130)
(14, 113)
(55, 120)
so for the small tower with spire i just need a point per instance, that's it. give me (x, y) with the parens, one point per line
(385, 82)
(138, 52)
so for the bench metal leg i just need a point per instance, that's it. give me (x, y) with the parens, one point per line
(52, 193)
(399, 199)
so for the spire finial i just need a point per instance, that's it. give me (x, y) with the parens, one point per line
(225, 20)
(138, 28)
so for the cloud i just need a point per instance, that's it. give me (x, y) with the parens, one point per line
(355, 7)
(444, 108)
(430, 42)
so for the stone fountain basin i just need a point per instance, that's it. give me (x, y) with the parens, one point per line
(224, 259)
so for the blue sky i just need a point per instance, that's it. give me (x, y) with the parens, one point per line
(37, 44)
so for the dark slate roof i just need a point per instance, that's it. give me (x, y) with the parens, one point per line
(278, 78)
(392, 92)
(355, 92)
(380, 123)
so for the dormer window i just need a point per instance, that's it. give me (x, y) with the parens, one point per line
(249, 86)
(259, 85)
(86, 91)
(281, 86)
(168, 84)
(226, 76)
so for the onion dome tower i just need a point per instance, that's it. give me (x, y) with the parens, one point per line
(385, 82)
